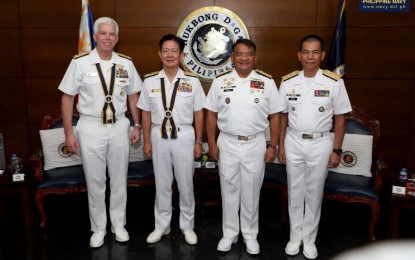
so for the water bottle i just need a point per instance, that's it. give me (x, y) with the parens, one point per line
(403, 177)
(16, 163)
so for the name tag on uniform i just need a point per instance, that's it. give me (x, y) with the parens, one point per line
(92, 74)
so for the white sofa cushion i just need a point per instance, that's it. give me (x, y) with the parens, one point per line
(356, 158)
(55, 151)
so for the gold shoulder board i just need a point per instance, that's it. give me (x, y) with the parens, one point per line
(151, 74)
(124, 56)
(263, 74)
(223, 73)
(190, 74)
(81, 54)
(331, 75)
(291, 75)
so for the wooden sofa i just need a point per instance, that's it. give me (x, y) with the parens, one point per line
(338, 186)
(71, 179)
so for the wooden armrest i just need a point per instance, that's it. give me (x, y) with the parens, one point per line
(36, 159)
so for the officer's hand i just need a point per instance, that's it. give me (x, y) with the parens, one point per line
(197, 150)
(214, 152)
(135, 135)
(281, 155)
(334, 160)
(270, 155)
(147, 149)
(72, 143)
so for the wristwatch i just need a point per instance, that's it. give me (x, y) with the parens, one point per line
(338, 151)
(198, 142)
(272, 146)
(137, 125)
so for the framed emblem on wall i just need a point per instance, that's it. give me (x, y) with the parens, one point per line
(209, 33)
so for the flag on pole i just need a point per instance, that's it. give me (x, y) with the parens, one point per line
(335, 60)
(86, 29)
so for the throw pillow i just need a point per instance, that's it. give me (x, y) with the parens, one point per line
(356, 158)
(55, 151)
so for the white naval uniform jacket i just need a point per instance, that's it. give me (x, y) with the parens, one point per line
(311, 109)
(189, 98)
(82, 78)
(243, 104)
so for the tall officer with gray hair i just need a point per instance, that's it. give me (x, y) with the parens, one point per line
(104, 80)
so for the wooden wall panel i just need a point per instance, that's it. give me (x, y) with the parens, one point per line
(9, 14)
(411, 153)
(60, 14)
(10, 51)
(13, 101)
(277, 49)
(413, 108)
(48, 52)
(380, 52)
(38, 91)
(16, 141)
(385, 99)
(156, 13)
(271, 13)
(34, 138)
(50, 14)
(100, 8)
(393, 148)
(326, 14)
(142, 44)
(326, 34)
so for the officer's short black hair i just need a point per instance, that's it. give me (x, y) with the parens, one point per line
(312, 38)
(246, 42)
(172, 37)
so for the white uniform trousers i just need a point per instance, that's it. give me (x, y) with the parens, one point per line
(177, 154)
(307, 161)
(105, 146)
(241, 171)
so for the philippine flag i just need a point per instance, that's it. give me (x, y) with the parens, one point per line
(86, 29)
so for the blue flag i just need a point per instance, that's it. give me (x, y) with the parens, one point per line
(86, 29)
(335, 60)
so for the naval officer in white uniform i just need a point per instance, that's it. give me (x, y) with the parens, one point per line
(103, 81)
(310, 97)
(239, 103)
(171, 101)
